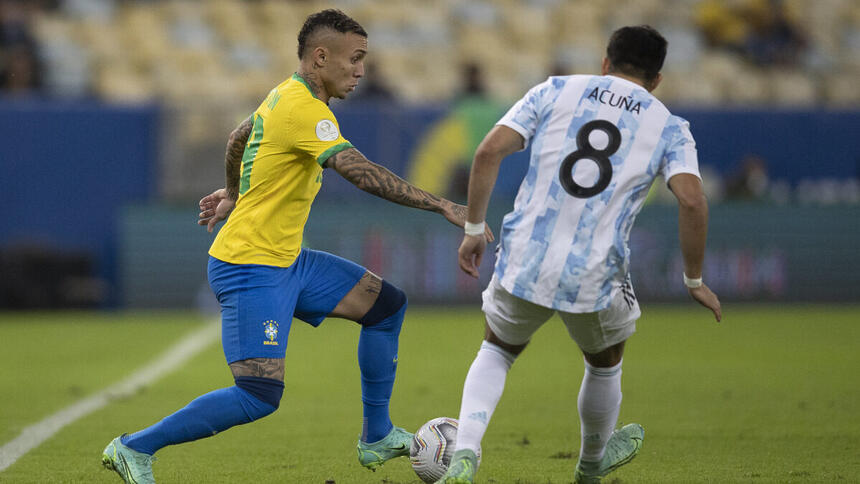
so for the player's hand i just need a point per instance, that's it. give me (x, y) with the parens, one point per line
(470, 253)
(707, 298)
(214, 208)
(456, 214)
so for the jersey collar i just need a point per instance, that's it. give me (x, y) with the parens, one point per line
(299, 78)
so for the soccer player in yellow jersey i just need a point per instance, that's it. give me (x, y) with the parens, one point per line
(263, 277)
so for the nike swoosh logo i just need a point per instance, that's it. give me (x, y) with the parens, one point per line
(125, 469)
(401, 447)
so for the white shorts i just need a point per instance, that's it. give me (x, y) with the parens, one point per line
(515, 320)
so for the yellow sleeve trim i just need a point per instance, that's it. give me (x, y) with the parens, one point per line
(321, 159)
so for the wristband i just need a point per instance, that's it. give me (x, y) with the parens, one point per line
(474, 229)
(692, 283)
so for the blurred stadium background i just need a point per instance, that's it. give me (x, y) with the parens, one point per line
(115, 114)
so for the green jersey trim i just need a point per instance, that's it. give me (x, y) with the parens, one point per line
(250, 154)
(332, 151)
(299, 78)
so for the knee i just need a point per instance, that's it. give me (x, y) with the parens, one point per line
(607, 357)
(389, 302)
(491, 337)
(267, 390)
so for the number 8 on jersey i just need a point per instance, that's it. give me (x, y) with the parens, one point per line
(586, 150)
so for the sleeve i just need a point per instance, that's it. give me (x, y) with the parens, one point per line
(681, 155)
(524, 116)
(317, 134)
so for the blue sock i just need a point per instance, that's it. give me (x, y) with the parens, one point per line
(205, 416)
(377, 359)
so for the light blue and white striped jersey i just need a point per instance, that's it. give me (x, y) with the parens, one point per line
(569, 252)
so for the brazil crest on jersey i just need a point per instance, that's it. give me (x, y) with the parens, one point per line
(294, 134)
(597, 142)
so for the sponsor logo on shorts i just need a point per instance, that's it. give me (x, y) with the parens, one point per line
(270, 329)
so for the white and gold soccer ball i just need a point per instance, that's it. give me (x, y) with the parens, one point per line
(432, 448)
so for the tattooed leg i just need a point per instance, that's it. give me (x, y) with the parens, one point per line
(257, 393)
(377, 350)
(272, 368)
(359, 299)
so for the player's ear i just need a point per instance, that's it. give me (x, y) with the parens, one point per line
(604, 68)
(320, 56)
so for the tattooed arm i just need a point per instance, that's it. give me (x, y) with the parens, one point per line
(216, 206)
(379, 181)
(233, 157)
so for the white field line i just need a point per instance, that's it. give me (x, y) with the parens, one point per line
(172, 359)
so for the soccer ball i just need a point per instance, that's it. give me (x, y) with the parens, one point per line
(432, 448)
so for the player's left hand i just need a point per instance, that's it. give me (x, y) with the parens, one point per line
(704, 296)
(470, 254)
(456, 214)
(214, 208)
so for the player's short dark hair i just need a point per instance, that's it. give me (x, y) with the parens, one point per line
(328, 19)
(638, 51)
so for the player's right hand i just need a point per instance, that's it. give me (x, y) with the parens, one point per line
(704, 296)
(456, 214)
(470, 253)
(214, 208)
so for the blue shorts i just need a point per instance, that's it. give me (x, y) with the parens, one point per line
(258, 302)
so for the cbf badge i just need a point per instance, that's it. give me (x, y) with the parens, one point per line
(326, 130)
(270, 329)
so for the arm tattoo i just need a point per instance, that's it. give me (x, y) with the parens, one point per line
(379, 181)
(260, 367)
(233, 157)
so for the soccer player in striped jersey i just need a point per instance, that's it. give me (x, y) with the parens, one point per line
(597, 144)
(263, 277)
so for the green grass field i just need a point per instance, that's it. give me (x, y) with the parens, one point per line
(768, 396)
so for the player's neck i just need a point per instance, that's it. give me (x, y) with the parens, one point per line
(634, 80)
(314, 83)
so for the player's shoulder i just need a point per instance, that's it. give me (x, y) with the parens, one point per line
(677, 130)
(674, 123)
(548, 90)
(675, 120)
(300, 105)
(296, 90)
(557, 83)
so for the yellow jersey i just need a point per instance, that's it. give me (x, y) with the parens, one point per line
(294, 133)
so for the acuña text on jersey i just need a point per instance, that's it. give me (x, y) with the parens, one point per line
(605, 96)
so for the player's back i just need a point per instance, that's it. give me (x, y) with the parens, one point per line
(597, 142)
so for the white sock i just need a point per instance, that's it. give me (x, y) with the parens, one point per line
(481, 393)
(599, 402)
